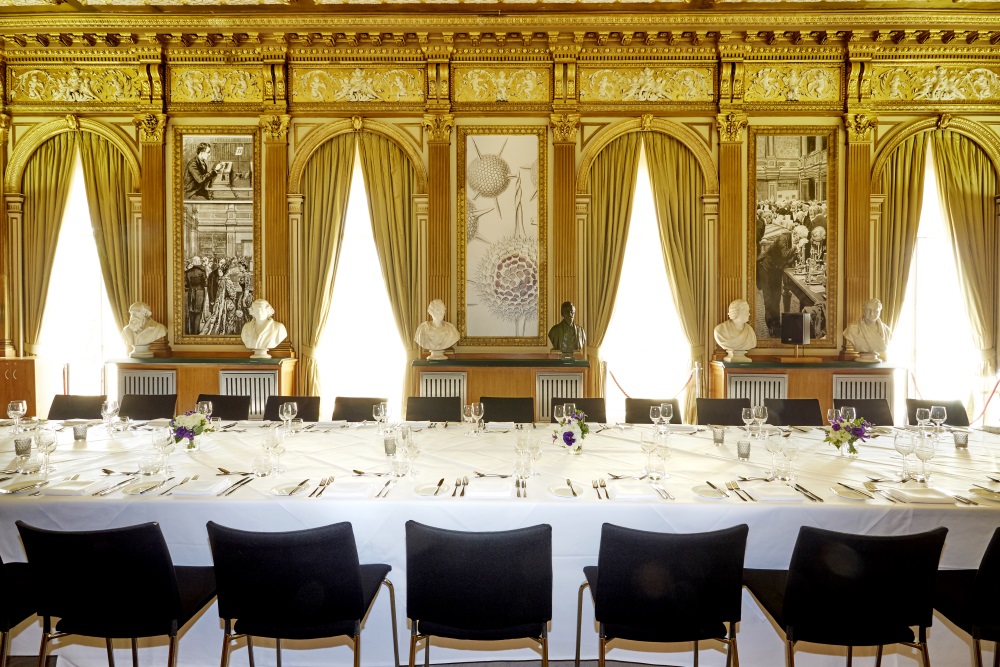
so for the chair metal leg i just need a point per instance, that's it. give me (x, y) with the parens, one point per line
(392, 610)
(427, 651)
(357, 651)
(250, 649)
(878, 656)
(4, 649)
(413, 647)
(695, 653)
(135, 652)
(111, 654)
(925, 655)
(277, 646)
(579, 622)
(602, 649)
(789, 653)
(977, 652)
(850, 656)
(227, 640)
(172, 652)
(545, 651)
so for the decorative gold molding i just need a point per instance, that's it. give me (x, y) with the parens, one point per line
(799, 83)
(640, 84)
(506, 84)
(564, 127)
(438, 127)
(324, 133)
(59, 86)
(39, 134)
(215, 84)
(859, 126)
(275, 126)
(335, 87)
(684, 134)
(150, 127)
(732, 127)
(902, 83)
(4, 129)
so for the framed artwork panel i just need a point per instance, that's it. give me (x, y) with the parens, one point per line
(502, 235)
(792, 230)
(216, 205)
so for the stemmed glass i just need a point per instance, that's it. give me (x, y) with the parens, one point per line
(559, 412)
(773, 445)
(655, 414)
(903, 443)
(380, 413)
(662, 452)
(535, 450)
(274, 443)
(923, 416)
(45, 439)
(16, 410)
(747, 416)
(477, 415)
(570, 408)
(924, 449)
(287, 412)
(832, 414)
(163, 442)
(790, 450)
(937, 415)
(759, 414)
(469, 415)
(647, 440)
(666, 413)
(848, 413)
(109, 410)
(204, 408)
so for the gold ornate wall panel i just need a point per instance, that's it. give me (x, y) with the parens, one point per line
(937, 78)
(215, 84)
(804, 78)
(208, 77)
(356, 88)
(502, 80)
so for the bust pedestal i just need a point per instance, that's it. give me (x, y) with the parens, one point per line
(260, 353)
(141, 352)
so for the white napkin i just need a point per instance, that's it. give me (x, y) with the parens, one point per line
(73, 487)
(201, 487)
(331, 424)
(417, 424)
(499, 426)
(778, 493)
(349, 488)
(682, 428)
(158, 422)
(920, 495)
(494, 487)
(632, 491)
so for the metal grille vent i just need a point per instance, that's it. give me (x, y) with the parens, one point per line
(863, 386)
(258, 385)
(146, 382)
(555, 385)
(757, 387)
(443, 384)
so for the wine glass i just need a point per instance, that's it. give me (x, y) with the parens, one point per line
(903, 443)
(747, 416)
(204, 408)
(535, 451)
(164, 443)
(274, 443)
(832, 415)
(647, 441)
(923, 416)
(570, 408)
(559, 412)
(477, 415)
(16, 410)
(924, 449)
(666, 413)
(655, 414)
(45, 439)
(109, 410)
(848, 413)
(773, 445)
(790, 450)
(937, 415)
(662, 452)
(468, 414)
(380, 412)
(409, 443)
(759, 414)
(287, 412)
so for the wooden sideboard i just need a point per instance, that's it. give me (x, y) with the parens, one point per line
(825, 381)
(18, 382)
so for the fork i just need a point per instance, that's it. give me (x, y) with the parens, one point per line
(736, 487)
(458, 483)
(465, 483)
(739, 494)
(604, 487)
(614, 476)
(597, 489)
(871, 486)
(320, 487)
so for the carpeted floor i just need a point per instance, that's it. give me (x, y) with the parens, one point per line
(30, 661)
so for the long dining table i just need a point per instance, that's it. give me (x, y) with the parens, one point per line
(378, 510)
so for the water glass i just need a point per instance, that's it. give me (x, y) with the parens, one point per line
(16, 410)
(743, 450)
(559, 412)
(23, 451)
(832, 415)
(924, 449)
(790, 451)
(109, 410)
(647, 440)
(938, 415)
(468, 415)
(150, 464)
(903, 443)
(80, 431)
(380, 413)
(666, 412)
(747, 417)
(961, 439)
(45, 439)
(759, 414)
(523, 466)
(654, 414)
(535, 451)
(399, 463)
(848, 413)
(923, 415)
(772, 444)
(295, 425)
(719, 435)
(569, 409)
(287, 411)
(204, 408)
(262, 465)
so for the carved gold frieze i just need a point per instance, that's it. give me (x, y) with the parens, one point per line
(66, 86)
(500, 85)
(216, 84)
(357, 85)
(955, 84)
(771, 83)
(644, 84)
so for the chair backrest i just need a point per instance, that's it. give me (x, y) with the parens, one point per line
(148, 406)
(957, 416)
(650, 580)
(434, 408)
(133, 558)
(637, 410)
(297, 579)
(874, 410)
(721, 411)
(831, 575)
(520, 410)
(225, 406)
(794, 412)
(18, 588)
(308, 407)
(595, 408)
(984, 612)
(479, 580)
(355, 408)
(75, 406)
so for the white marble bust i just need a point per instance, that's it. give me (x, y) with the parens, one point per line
(437, 335)
(869, 335)
(262, 333)
(142, 330)
(734, 335)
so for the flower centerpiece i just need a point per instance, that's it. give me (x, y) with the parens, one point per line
(848, 432)
(189, 426)
(571, 431)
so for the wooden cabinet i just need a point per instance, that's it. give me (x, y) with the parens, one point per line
(18, 382)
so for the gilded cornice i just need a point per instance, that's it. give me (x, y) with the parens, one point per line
(275, 127)
(150, 127)
(859, 125)
(564, 127)
(438, 127)
(732, 127)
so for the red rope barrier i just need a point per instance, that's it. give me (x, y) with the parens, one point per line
(622, 389)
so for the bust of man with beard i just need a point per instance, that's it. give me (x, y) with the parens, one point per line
(141, 329)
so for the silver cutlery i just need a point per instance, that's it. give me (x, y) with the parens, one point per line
(882, 492)
(386, 489)
(4, 479)
(465, 483)
(30, 487)
(321, 487)
(169, 489)
(299, 487)
(489, 474)
(807, 493)
(964, 500)
(223, 471)
(732, 487)
(155, 486)
(851, 488)
(570, 485)
(458, 483)
(744, 478)
(114, 487)
(108, 471)
(604, 487)
(440, 484)
(517, 485)
(640, 477)
(736, 487)
(597, 489)
(373, 474)
(719, 490)
(237, 486)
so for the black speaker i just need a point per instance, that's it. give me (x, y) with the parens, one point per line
(795, 328)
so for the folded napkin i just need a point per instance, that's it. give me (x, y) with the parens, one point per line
(631, 491)
(73, 487)
(682, 428)
(158, 422)
(772, 492)
(349, 488)
(493, 487)
(336, 423)
(201, 487)
(920, 495)
(499, 426)
(417, 424)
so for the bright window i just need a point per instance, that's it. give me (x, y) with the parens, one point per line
(647, 353)
(360, 353)
(78, 328)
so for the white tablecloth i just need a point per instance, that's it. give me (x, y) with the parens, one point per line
(450, 453)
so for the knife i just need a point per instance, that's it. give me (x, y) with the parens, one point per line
(155, 486)
(237, 486)
(717, 488)
(438, 489)
(851, 488)
(36, 485)
(114, 487)
(301, 485)
(385, 490)
(570, 485)
(807, 493)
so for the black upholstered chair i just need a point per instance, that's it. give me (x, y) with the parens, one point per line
(821, 597)
(957, 416)
(721, 411)
(76, 406)
(874, 410)
(434, 408)
(225, 406)
(134, 558)
(595, 408)
(637, 410)
(17, 603)
(647, 587)
(148, 406)
(967, 598)
(304, 584)
(794, 412)
(477, 585)
(308, 407)
(355, 408)
(520, 410)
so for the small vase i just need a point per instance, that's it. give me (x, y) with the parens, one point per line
(848, 451)
(193, 444)
(576, 449)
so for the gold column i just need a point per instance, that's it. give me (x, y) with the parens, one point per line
(275, 218)
(6, 340)
(565, 279)
(732, 133)
(857, 237)
(438, 272)
(154, 270)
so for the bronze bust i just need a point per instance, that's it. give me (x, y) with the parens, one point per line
(566, 336)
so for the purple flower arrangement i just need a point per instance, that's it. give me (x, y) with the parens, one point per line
(848, 432)
(571, 431)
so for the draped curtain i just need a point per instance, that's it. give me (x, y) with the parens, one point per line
(108, 179)
(390, 182)
(326, 183)
(967, 189)
(678, 186)
(46, 189)
(903, 185)
(612, 187)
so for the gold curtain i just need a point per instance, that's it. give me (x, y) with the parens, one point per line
(46, 189)
(678, 186)
(967, 189)
(391, 183)
(903, 185)
(612, 187)
(109, 181)
(326, 183)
